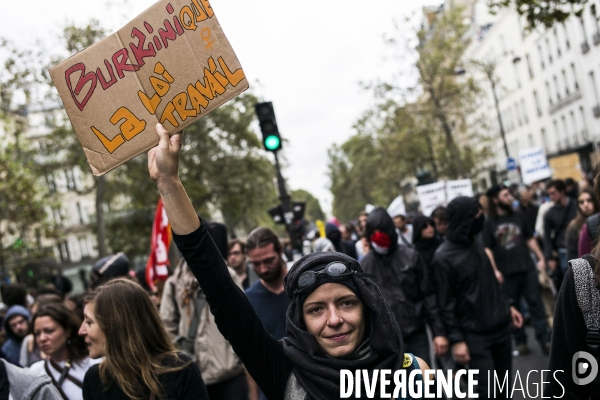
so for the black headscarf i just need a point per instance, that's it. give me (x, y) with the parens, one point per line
(318, 373)
(425, 247)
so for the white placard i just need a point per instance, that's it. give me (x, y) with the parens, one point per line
(397, 207)
(431, 196)
(534, 165)
(461, 187)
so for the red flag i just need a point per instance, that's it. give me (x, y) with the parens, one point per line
(156, 268)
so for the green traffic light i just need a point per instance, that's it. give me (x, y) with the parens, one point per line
(272, 142)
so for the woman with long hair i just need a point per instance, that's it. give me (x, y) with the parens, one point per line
(587, 204)
(122, 324)
(55, 330)
(337, 318)
(575, 330)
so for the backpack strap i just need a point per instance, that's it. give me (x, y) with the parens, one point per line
(588, 299)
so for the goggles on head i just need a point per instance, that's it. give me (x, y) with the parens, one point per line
(335, 270)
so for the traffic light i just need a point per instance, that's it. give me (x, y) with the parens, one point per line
(268, 126)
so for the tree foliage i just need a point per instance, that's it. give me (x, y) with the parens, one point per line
(542, 13)
(415, 130)
(313, 209)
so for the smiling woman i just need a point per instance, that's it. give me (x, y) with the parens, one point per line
(337, 318)
(55, 331)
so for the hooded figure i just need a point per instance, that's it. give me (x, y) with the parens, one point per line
(22, 384)
(403, 279)
(12, 347)
(474, 310)
(299, 366)
(425, 246)
(335, 236)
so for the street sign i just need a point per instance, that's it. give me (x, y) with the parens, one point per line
(511, 164)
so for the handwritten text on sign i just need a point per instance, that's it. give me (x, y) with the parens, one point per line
(176, 67)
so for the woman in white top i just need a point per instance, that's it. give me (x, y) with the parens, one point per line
(55, 330)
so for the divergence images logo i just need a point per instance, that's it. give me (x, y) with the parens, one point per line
(583, 363)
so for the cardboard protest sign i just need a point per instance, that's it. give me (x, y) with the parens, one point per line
(171, 64)
(461, 187)
(534, 165)
(431, 196)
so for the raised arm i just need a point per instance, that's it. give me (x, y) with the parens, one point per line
(238, 323)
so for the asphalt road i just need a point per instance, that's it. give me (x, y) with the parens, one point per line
(523, 365)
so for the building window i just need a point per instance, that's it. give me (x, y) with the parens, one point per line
(518, 114)
(51, 183)
(574, 76)
(564, 74)
(575, 131)
(83, 247)
(549, 92)
(530, 137)
(557, 89)
(595, 89)
(565, 130)
(549, 51)
(529, 65)
(524, 111)
(70, 179)
(537, 103)
(583, 124)
(544, 140)
(558, 52)
(567, 43)
(541, 56)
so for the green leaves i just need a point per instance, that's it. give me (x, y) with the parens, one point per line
(542, 13)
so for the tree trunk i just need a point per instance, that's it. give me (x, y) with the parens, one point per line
(100, 223)
(459, 170)
(434, 166)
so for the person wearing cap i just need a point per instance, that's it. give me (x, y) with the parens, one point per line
(403, 279)
(337, 318)
(508, 240)
(107, 268)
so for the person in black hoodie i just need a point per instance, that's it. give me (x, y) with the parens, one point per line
(341, 246)
(426, 240)
(403, 279)
(476, 315)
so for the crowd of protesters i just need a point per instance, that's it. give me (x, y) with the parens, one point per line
(235, 320)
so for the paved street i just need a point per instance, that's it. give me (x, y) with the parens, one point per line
(524, 364)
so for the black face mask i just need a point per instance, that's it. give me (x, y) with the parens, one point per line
(477, 226)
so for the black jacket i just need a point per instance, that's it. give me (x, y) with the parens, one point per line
(468, 294)
(403, 280)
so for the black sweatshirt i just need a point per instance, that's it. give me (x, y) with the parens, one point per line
(261, 354)
(568, 337)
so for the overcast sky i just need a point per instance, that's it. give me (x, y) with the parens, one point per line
(307, 57)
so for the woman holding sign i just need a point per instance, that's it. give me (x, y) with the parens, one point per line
(337, 318)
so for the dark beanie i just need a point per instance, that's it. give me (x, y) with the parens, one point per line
(112, 266)
(494, 190)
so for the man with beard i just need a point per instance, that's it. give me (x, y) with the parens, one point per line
(475, 313)
(508, 238)
(267, 295)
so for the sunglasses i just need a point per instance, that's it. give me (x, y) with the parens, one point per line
(335, 270)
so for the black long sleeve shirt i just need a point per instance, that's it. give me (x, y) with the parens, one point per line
(556, 221)
(261, 354)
